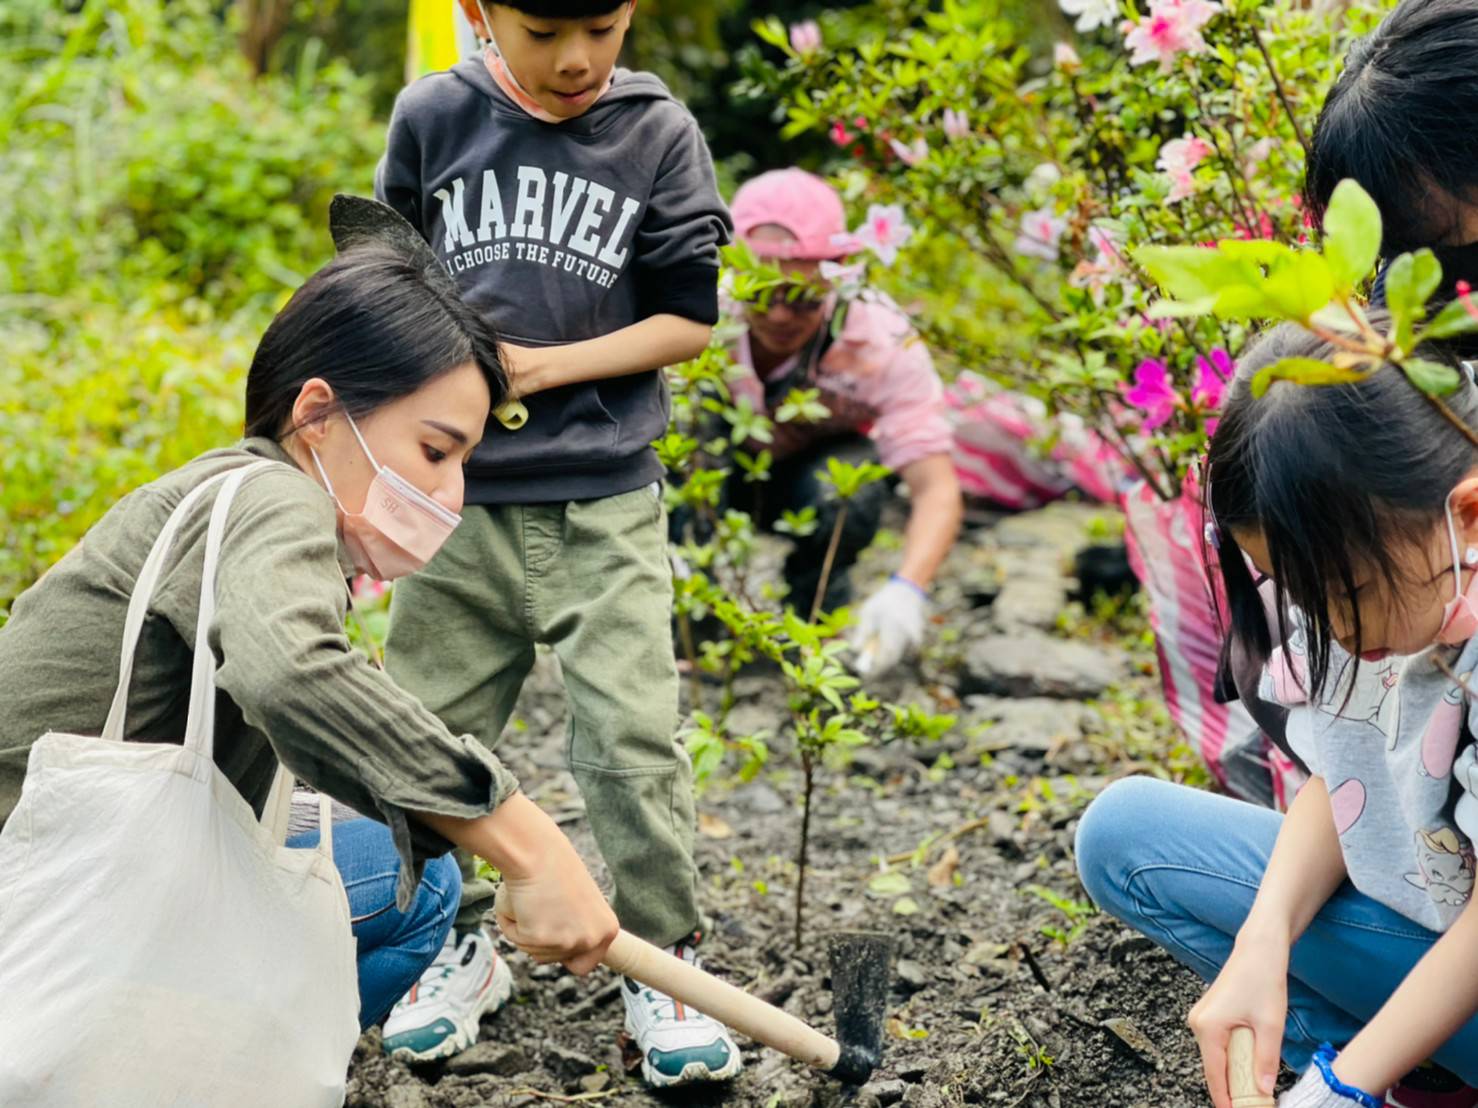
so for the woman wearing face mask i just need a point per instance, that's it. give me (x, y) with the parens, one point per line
(368, 390)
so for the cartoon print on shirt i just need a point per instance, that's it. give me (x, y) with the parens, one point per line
(1370, 700)
(1288, 666)
(1439, 741)
(1347, 802)
(1445, 866)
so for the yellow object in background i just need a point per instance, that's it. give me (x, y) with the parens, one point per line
(439, 37)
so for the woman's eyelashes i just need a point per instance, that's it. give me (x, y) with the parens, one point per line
(435, 456)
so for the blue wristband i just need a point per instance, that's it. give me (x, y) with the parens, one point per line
(902, 580)
(1324, 1059)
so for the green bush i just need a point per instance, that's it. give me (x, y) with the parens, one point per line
(89, 414)
(160, 204)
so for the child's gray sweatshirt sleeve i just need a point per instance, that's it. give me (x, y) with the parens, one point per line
(398, 176)
(679, 237)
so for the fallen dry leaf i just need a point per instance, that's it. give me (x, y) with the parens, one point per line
(711, 827)
(942, 872)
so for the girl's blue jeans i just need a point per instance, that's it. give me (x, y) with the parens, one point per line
(395, 947)
(1182, 866)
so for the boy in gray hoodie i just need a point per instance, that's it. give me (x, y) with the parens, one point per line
(575, 204)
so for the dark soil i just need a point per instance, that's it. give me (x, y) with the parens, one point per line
(987, 1007)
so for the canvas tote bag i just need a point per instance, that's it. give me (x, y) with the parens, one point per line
(158, 945)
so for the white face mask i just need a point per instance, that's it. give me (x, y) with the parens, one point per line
(400, 528)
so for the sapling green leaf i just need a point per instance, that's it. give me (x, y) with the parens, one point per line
(1304, 371)
(1453, 320)
(1410, 282)
(1433, 378)
(1352, 234)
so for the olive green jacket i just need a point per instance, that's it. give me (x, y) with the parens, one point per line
(291, 686)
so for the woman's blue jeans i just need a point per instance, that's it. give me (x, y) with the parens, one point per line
(395, 947)
(1182, 866)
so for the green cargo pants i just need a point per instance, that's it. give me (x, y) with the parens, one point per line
(591, 579)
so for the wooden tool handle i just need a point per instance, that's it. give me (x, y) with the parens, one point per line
(641, 961)
(1242, 1072)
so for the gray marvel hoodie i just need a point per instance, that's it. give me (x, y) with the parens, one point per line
(559, 233)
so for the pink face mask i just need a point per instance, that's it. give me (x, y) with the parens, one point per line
(400, 527)
(1460, 617)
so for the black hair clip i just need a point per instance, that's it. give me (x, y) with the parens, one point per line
(360, 221)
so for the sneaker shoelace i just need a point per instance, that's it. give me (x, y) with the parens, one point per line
(664, 1008)
(451, 956)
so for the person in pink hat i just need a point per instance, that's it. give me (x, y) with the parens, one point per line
(886, 403)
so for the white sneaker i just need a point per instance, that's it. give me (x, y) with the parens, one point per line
(678, 1045)
(439, 1016)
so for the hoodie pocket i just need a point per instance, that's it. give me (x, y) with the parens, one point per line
(568, 427)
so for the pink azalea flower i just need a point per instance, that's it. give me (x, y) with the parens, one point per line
(1041, 231)
(883, 232)
(1212, 377)
(956, 124)
(1152, 394)
(367, 588)
(845, 278)
(1256, 154)
(839, 134)
(911, 154)
(1107, 263)
(1178, 159)
(1065, 58)
(1171, 28)
(805, 38)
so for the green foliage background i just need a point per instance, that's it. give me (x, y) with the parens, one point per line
(160, 204)
(163, 197)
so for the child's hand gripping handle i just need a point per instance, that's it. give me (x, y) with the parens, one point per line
(1241, 1072)
(641, 961)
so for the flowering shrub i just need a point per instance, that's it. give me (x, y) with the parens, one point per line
(1028, 177)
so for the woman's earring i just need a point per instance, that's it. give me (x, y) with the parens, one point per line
(1471, 557)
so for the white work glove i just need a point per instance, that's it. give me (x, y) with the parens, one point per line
(1314, 1091)
(890, 625)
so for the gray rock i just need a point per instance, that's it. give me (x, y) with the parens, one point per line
(406, 1096)
(882, 1092)
(500, 1059)
(567, 1064)
(760, 798)
(1034, 665)
(1003, 827)
(1127, 1032)
(1063, 528)
(910, 975)
(1034, 723)
(1030, 603)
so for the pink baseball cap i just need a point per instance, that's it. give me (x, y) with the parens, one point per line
(800, 202)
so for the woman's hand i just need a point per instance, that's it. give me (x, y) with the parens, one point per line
(549, 907)
(1251, 991)
(554, 912)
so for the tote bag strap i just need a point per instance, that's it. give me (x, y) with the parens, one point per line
(278, 812)
(143, 595)
(200, 722)
(200, 725)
